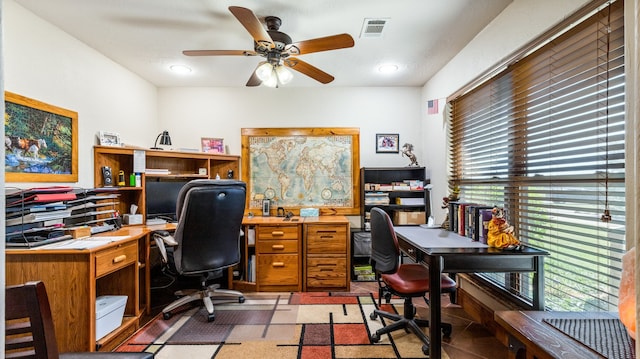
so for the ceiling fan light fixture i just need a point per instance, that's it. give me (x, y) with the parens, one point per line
(284, 75)
(265, 72)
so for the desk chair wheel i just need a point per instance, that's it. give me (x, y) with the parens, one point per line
(375, 338)
(211, 317)
(425, 350)
(373, 316)
(166, 316)
(240, 299)
(447, 329)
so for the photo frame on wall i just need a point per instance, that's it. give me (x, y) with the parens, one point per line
(387, 143)
(212, 145)
(41, 141)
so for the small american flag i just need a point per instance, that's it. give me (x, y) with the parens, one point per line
(432, 107)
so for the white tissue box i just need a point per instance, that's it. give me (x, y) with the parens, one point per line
(132, 219)
(309, 212)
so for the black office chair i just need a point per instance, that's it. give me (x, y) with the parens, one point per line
(209, 216)
(405, 280)
(29, 330)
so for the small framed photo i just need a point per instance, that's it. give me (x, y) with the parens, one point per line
(109, 139)
(387, 143)
(212, 145)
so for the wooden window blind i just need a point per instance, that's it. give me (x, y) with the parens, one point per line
(545, 139)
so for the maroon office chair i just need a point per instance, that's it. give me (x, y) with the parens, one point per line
(405, 280)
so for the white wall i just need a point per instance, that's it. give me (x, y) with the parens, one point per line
(191, 113)
(44, 63)
(517, 25)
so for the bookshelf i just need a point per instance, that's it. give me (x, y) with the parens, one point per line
(399, 191)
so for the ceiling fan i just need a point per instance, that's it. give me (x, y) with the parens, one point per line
(278, 50)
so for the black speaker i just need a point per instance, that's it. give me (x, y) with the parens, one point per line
(107, 176)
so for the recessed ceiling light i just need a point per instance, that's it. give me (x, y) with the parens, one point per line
(388, 68)
(180, 69)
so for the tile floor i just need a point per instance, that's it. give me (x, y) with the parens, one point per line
(470, 340)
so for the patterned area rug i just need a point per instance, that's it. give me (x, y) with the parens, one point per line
(607, 337)
(277, 325)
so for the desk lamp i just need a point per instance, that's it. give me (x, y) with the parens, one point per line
(164, 138)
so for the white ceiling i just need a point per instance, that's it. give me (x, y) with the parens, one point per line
(147, 36)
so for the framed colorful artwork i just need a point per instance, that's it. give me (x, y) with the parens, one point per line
(387, 143)
(41, 141)
(212, 145)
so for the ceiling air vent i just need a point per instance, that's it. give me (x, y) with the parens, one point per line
(373, 27)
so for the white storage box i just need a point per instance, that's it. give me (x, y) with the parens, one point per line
(109, 313)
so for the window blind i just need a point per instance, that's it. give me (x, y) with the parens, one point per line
(544, 138)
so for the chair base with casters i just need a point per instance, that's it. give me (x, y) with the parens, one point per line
(205, 295)
(399, 284)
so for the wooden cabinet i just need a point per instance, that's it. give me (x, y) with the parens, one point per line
(278, 257)
(327, 254)
(303, 253)
(165, 166)
(378, 190)
(74, 278)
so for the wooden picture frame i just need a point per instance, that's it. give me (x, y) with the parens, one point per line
(212, 145)
(298, 168)
(41, 141)
(387, 143)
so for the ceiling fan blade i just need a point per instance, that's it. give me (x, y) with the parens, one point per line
(219, 53)
(250, 22)
(254, 80)
(334, 42)
(308, 69)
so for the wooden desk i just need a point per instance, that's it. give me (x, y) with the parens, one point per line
(530, 338)
(74, 278)
(445, 251)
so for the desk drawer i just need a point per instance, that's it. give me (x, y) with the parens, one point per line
(278, 269)
(408, 249)
(112, 259)
(326, 272)
(277, 232)
(326, 239)
(273, 246)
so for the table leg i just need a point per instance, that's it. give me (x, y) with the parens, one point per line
(435, 306)
(538, 283)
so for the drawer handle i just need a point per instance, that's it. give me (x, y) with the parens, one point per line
(327, 264)
(327, 231)
(277, 233)
(277, 264)
(327, 236)
(119, 258)
(277, 246)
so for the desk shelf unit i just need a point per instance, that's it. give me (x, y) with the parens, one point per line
(373, 182)
(169, 165)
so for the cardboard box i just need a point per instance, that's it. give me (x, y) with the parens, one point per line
(401, 217)
(109, 313)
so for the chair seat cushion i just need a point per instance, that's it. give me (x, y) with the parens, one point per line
(413, 280)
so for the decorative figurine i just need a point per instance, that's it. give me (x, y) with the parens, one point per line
(500, 232)
(454, 196)
(407, 150)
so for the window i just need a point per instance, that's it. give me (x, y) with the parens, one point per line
(545, 139)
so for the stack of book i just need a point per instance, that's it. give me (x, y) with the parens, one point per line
(373, 198)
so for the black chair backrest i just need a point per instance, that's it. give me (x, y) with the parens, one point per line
(385, 252)
(29, 325)
(209, 216)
